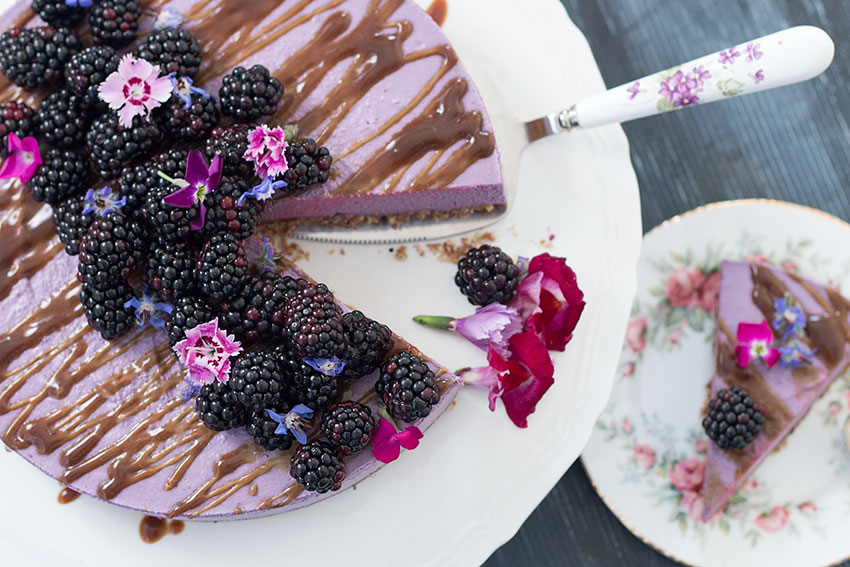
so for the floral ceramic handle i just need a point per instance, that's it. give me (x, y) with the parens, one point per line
(782, 58)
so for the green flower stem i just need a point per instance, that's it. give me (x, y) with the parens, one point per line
(436, 322)
(178, 182)
(382, 412)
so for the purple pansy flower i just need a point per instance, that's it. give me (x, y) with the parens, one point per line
(23, 159)
(327, 366)
(753, 51)
(293, 422)
(759, 76)
(263, 191)
(78, 3)
(754, 342)
(633, 90)
(199, 181)
(103, 201)
(148, 309)
(795, 355)
(166, 18)
(728, 56)
(184, 88)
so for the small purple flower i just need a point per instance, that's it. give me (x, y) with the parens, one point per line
(788, 318)
(728, 56)
(184, 88)
(103, 202)
(263, 191)
(700, 75)
(327, 366)
(795, 355)
(667, 89)
(753, 51)
(684, 83)
(682, 99)
(634, 90)
(165, 18)
(78, 3)
(192, 390)
(199, 181)
(293, 422)
(489, 328)
(759, 76)
(265, 259)
(148, 309)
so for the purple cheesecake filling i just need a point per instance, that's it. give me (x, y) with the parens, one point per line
(786, 394)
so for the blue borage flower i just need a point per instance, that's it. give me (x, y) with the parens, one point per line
(184, 87)
(795, 354)
(103, 201)
(148, 309)
(265, 259)
(293, 422)
(165, 18)
(788, 318)
(192, 390)
(78, 3)
(327, 366)
(263, 191)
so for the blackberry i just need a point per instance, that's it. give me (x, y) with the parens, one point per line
(217, 407)
(308, 164)
(231, 143)
(258, 312)
(188, 312)
(105, 309)
(136, 184)
(368, 344)
(170, 269)
(19, 118)
(733, 419)
(258, 380)
(71, 223)
(191, 124)
(224, 215)
(487, 275)
(246, 95)
(169, 222)
(58, 13)
(35, 57)
(407, 387)
(348, 426)
(113, 147)
(61, 173)
(318, 467)
(115, 22)
(64, 120)
(313, 323)
(261, 427)
(113, 246)
(172, 162)
(175, 50)
(87, 69)
(309, 386)
(221, 270)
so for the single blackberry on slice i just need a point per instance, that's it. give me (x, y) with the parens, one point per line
(187, 313)
(105, 309)
(258, 380)
(313, 323)
(308, 164)
(61, 173)
(190, 124)
(487, 275)
(170, 270)
(19, 118)
(115, 22)
(87, 69)
(217, 407)
(222, 267)
(258, 313)
(114, 147)
(225, 215)
(175, 50)
(309, 386)
(261, 427)
(407, 387)
(231, 143)
(246, 95)
(318, 467)
(58, 13)
(169, 222)
(368, 344)
(348, 426)
(734, 419)
(71, 223)
(113, 246)
(64, 120)
(35, 57)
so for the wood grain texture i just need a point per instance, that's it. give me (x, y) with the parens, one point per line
(791, 144)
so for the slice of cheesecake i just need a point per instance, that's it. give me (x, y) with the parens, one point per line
(747, 294)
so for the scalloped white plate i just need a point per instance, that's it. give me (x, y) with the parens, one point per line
(794, 510)
(463, 492)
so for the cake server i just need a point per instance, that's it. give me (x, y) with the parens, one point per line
(782, 58)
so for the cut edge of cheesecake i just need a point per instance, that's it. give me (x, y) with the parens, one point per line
(747, 293)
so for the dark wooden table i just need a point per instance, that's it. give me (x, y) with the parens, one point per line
(791, 144)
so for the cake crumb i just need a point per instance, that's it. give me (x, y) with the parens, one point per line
(342, 251)
(452, 405)
(451, 252)
(401, 253)
(419, 250)
(332, 251)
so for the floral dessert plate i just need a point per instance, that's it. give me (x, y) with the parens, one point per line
(646, 455)
(463, 486)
